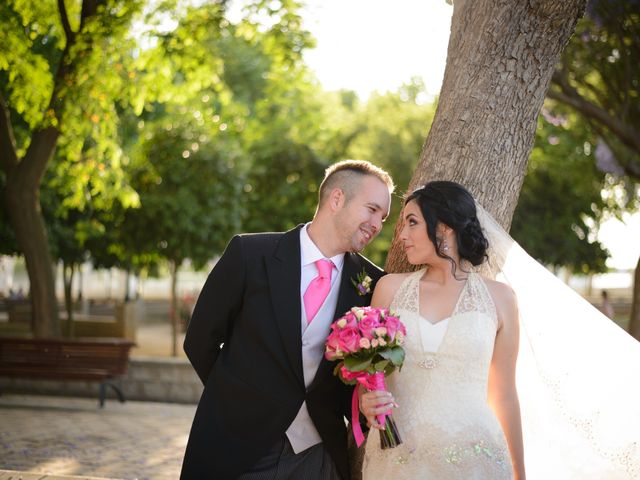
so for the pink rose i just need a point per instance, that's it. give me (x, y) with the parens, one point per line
(331, 354)
(352, 320)
(348, 339)
(368, 324)
(373, 311)
(393, 325)
(347, 320)
(333, 346)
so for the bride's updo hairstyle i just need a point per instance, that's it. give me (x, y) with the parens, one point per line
(451, 204)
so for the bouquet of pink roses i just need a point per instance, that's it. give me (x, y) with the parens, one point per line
(368, 342)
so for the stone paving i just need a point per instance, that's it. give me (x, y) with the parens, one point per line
(58, 436)
(13, 475)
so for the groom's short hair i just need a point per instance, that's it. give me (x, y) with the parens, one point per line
(346, 176)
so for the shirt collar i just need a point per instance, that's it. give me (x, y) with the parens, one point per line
(310, 253)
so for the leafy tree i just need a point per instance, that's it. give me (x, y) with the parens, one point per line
(224, 89)
(562, 192)
(77, 213)
(599, 77)
(61, 68)
(284, 133)
(493, 89)
(189, 195)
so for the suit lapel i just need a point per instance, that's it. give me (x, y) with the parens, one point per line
(283, 271)
(348, 296)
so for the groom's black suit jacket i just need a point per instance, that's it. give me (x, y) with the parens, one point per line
(254, 383)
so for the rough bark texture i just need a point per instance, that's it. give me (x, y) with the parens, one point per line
(634, 321)
(500, 60)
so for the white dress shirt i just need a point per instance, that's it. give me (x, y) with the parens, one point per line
(302, 433)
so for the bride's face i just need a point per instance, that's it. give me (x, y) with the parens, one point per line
(418, 247)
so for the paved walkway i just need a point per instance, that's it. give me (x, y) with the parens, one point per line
(14, 475)
(58, 436)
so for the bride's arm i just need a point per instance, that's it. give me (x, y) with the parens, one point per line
(503, 396)
(377, 402)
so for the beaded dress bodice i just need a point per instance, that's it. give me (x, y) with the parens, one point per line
(447, 427)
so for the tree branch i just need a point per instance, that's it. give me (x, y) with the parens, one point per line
(64, 18)
(89, 9)
(8, 155)
(630, 168)
(570, 96)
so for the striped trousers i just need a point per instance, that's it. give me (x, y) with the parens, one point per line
(282, 463)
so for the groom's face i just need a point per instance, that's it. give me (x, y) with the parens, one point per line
(360, 219)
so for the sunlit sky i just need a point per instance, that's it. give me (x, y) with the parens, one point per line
(377, 45)
(369, 45)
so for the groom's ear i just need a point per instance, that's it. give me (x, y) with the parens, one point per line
(336, 199)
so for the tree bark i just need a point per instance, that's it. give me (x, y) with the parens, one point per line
(500, 60)
(173, 266)
(22, 198)
(634, 320)
(68, 271)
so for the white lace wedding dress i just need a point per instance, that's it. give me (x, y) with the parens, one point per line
(447, 428)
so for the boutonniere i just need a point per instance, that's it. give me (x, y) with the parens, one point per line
(362, 282)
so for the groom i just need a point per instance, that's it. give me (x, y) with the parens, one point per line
(271, 407)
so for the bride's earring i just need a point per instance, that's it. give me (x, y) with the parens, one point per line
(443, 245)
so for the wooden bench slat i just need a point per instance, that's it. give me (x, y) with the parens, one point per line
(66, 374)
(65, 359)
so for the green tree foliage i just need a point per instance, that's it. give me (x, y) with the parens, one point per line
(389, 130)
(599, 77)
(188, 182)
(187, 175)
(560, 204)
(64, 68)
(285, 129)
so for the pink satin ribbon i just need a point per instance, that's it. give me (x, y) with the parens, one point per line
(369, 381)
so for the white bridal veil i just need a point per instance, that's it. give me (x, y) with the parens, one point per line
(578, 374)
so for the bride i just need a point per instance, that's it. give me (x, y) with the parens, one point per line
(462, 342)
(457, 407)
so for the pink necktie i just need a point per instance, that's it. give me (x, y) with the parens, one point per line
(318, 289)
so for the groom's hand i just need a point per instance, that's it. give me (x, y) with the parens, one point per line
(375, 403)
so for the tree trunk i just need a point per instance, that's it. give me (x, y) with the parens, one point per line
(22, 198)
(127, 276)
(634, 321)
(67, 279)
(173, 266)
(80, 284)
(500, 60)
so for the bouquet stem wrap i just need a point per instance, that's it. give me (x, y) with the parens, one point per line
(389, 437)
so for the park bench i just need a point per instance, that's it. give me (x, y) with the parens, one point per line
(102, 360)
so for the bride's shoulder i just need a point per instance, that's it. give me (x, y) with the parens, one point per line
(387, 287)
(391, 280)
(502, 294)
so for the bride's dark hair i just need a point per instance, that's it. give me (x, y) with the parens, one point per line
(451, 204)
